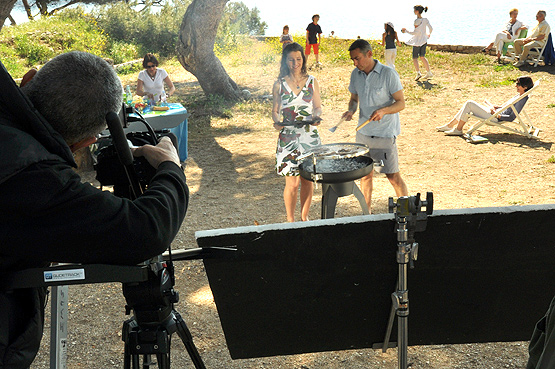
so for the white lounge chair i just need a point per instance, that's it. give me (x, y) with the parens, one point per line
(523, 123)
(536, 54)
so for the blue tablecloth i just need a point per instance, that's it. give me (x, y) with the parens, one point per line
(176, 120)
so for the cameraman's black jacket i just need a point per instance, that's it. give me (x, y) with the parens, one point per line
(47, 215)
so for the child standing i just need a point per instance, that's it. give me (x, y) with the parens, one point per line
(419, 41)
(285, 38)
(313, 36)
(388, 40)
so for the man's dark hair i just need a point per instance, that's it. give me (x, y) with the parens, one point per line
(74, 92)
(150, 58)
(361, 44)
(315, 15)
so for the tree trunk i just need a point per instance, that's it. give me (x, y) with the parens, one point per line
(28, 10)
(195, 48)
(6, 7)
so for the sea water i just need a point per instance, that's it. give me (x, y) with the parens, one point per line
(469, 22)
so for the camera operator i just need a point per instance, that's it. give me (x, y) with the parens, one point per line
(47, 214)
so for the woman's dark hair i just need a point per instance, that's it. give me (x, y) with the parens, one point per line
(389, 30)
(150, 58)
(421, 9)
(292, 47)
(525, 82)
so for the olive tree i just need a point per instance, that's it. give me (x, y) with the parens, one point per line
(6, 7)
(195, 48)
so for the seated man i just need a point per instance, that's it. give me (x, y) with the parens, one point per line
(537, 39)
(455, 126)
(47, 213)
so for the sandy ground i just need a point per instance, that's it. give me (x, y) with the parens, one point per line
(232, 182)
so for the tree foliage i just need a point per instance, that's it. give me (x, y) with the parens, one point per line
(153, 31)
(240, 20)
(47, 8)
(154, 25)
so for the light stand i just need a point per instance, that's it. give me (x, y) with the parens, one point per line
(410, 218)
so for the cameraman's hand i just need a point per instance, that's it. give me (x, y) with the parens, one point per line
(164, 151)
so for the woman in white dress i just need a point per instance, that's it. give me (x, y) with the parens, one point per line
(151, 81)
(296, 98)
(509, 34)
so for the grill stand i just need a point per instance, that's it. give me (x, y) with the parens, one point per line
(333, 191)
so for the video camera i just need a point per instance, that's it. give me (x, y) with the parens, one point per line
(109, 169)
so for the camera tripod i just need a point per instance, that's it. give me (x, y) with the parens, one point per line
(149, 331)
(152, 301)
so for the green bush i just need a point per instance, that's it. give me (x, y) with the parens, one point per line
(120, 51)
(149, 32)
(35, 42)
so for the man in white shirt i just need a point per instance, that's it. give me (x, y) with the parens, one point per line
(538, 39)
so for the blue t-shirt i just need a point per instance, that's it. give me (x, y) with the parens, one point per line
(374, 92)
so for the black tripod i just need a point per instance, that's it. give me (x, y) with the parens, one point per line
(149, 331)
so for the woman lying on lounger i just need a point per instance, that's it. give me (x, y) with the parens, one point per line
(454, 127)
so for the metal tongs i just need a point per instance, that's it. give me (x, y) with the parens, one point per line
(299, 123)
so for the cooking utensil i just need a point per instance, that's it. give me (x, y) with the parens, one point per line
(299, 123)
(335, 151)
(363, 124)
(337, 170)
(332, 129)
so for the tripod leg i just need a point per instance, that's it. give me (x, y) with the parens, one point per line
(163, 361)
(187, 339)
(135, 359)
(126, 357)
(389, 327)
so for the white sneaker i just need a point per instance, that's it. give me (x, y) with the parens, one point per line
(444, 128)
(454, 132)
(519, 63)
(429, 75)
(418, 76)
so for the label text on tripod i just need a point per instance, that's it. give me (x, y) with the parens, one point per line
(64, 275)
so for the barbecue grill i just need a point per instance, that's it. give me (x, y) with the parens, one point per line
(336, 166)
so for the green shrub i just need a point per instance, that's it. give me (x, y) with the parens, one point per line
(120, 51)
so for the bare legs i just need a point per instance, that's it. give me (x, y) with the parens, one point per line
(455, 122)
(424, 63)
(395, 179)
(292, 184)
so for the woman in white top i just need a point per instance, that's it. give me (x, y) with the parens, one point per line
(419, 41)
(151, 80)
(509, 34)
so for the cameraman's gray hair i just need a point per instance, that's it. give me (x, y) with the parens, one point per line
(74, 92)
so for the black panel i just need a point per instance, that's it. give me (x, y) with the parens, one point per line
(326, 285)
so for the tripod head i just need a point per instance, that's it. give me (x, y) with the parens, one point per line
(409, 209)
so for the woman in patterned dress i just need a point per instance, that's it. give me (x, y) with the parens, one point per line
(296, 98)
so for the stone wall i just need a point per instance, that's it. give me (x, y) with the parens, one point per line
(462, 49)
